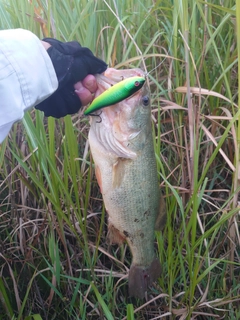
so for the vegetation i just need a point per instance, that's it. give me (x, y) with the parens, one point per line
(54, 259)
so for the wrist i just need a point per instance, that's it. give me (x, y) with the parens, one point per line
(46, 44)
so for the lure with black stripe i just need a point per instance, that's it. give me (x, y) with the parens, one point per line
(118, 92)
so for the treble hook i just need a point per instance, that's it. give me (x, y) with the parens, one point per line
(96, 115)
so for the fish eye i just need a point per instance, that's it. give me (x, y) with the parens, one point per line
(145, 100)
(137, 83)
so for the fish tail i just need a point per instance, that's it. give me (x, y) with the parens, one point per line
(141, 277)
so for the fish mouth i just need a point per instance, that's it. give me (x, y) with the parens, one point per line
(114, 130)
(120, 112)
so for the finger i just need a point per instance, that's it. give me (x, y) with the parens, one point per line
(84, 95)
(90, 83)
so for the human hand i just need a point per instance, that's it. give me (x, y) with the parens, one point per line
(86, 89)
(74, 66)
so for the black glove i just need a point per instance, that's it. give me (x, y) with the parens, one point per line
(72, 63)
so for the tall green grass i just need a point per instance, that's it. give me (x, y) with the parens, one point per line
(55, 262)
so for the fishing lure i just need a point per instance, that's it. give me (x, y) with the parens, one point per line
(118, 92)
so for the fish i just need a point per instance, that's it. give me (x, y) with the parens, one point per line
(116, 93)
(125, 166)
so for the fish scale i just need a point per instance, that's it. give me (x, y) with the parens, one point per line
(142, 205)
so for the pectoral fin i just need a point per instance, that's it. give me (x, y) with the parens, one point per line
(118, 172)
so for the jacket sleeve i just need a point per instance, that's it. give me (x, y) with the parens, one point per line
(27, 76)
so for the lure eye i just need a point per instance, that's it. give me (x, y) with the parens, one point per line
(137, 83)
(145, 100)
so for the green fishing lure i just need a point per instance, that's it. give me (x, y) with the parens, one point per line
(118, 92)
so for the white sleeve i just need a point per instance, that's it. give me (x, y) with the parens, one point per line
(27, 76)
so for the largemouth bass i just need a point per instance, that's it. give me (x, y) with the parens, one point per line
(122, 148)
